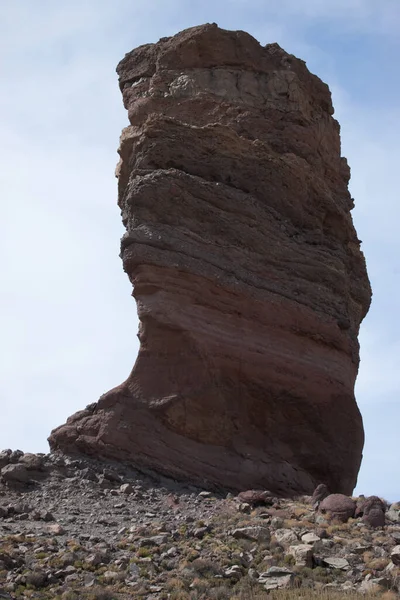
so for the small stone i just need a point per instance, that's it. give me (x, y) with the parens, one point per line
(89, 580)
(285, 537)
(200, 532)
(252, 573)
(395, 555)
(235, 572)
(111, 476)
(360, 549)
(256, 497)
(393, 514)
(374, 585)
(155, 540)
(277, 578)
(126, 488)
(255, 534)
(334, 562)
(56, 529)
(134, 570)
(276, 523)
(302, 554)
(36, 578)
(310, 538)
(205, 495)
(104, 483)
(110, 576)
(88, 475)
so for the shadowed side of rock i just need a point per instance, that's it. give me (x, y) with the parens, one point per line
(247, 271)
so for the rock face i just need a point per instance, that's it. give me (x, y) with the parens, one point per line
(247, 273)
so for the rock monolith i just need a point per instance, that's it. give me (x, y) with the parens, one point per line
(247, 272)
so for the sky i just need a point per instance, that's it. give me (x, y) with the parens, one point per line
(68, 322)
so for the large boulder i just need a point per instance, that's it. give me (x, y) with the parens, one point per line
(247, 271)
(338, 507)
(15, 473)
(33, 462)
(374, 512)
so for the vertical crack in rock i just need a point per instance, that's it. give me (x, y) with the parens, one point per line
(247, 272)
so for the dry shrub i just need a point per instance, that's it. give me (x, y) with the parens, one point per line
(378, 564)
(389, 596)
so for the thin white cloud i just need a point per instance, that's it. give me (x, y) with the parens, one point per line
(363, 16)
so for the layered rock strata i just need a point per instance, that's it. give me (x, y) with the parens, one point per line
(247, 272)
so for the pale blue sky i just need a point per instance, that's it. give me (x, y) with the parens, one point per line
(67, 319)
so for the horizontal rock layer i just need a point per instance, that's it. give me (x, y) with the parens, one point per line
(247, 273)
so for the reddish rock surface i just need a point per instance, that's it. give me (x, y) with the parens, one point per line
(247, 272)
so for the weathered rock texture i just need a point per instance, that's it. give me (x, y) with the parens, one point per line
(247, 272)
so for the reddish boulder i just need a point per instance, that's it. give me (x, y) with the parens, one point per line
(338, 507)
(247, 271)
(256, 497)
(374, 512)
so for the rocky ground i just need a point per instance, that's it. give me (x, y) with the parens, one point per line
(76, 528)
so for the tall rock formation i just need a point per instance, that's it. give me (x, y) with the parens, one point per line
(247, 272)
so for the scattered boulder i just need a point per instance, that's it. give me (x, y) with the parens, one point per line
(374, 512)
(126, 488)
(235, 572)
(374, 585)
(335, 562)
(338, 507)
(310, 538)
(15, 473)
(37, 578)
(360, 502)
(393, 514)
(56, 529)
(277, 578)
(5, 457)
(302, 554)
(285, 537)
(32, 462)
(66, 532)
(255, 534)
(256, 498)
(395, 555)
(16, 455)
(320, 493)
